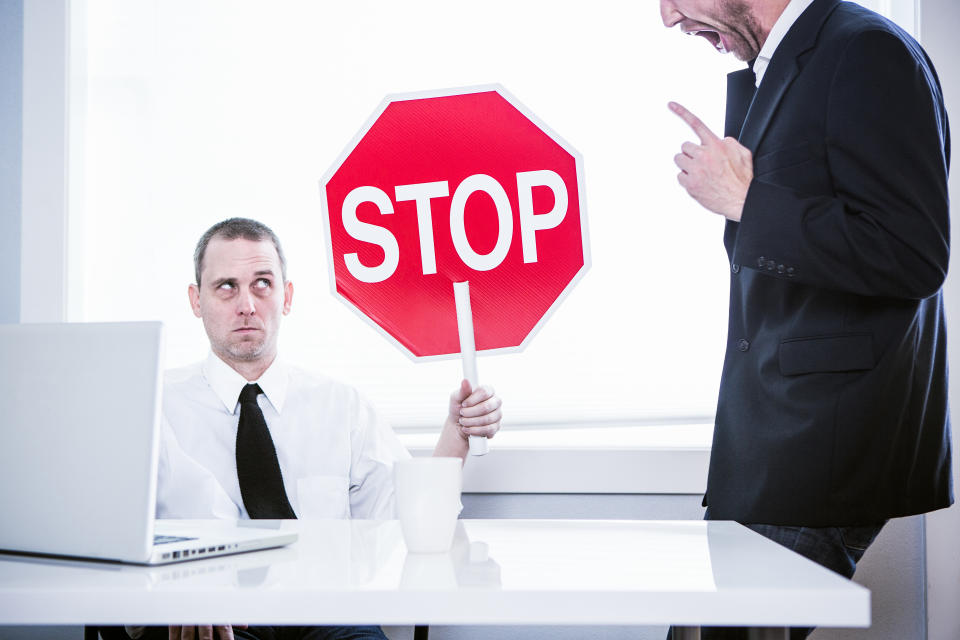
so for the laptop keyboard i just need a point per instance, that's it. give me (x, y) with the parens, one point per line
(158, 539)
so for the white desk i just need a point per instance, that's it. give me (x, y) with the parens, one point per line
(549, 572)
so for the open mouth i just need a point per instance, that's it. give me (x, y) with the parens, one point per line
(711, 36)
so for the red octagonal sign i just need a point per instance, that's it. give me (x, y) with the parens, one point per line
(453, 186)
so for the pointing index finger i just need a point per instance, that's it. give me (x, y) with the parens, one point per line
(702, 130)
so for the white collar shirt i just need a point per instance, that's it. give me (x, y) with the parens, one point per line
(777, 34)
(336, 454)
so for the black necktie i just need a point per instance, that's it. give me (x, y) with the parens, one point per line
(741, 87)
(258, 470)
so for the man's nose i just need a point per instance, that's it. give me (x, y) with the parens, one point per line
(668, 11)
(245, 306)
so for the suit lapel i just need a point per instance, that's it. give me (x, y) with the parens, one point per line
(740, 90)
(783, 70)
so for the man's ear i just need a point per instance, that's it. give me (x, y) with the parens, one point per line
(193, 291)
(287, 297)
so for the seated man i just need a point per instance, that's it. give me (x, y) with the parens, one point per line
(247, 436)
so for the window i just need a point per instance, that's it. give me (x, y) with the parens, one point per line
(198, 111)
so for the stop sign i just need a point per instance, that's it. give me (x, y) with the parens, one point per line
(452, 186)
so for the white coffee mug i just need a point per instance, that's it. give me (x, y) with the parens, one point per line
(428, 502)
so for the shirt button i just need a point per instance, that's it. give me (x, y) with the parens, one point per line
(742, 344)
(736, 268)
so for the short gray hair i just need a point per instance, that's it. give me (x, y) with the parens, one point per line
(234, 228)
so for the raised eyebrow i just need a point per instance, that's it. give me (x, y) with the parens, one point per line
(268, 272)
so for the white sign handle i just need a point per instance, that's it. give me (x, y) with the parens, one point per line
(468, 351)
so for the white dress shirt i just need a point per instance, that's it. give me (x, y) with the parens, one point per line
(777, 33)
(336, 455)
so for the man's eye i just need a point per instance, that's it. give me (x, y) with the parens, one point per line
(225, 286)
(263, 283)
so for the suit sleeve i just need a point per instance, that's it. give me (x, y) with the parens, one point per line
(884, 231)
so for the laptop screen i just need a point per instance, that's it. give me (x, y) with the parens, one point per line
(80, 434)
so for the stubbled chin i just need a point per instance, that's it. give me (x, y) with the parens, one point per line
(740, 49)
(247, 347)
(744, 56)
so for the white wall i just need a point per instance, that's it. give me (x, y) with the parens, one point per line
(44, 167)
(11, 102)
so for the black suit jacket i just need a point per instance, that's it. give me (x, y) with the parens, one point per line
(833, 398)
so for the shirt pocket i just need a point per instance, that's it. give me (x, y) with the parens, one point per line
(323, 497)
(827, 354)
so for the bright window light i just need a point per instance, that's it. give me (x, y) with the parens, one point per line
(199, 111)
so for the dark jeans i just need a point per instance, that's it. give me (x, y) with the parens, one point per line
(836, 548)
(310, 633)
(290, 633)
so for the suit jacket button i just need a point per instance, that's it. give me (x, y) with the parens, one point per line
(791, 272)
(781, 268)
(735, 268)
(742, 344)
(770, 265)
(762, 262)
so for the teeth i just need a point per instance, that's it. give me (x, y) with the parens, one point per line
(710, 34)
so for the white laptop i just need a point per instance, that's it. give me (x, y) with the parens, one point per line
(79, 443)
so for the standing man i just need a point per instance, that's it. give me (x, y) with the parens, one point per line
(832, 414)
(247, 436)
